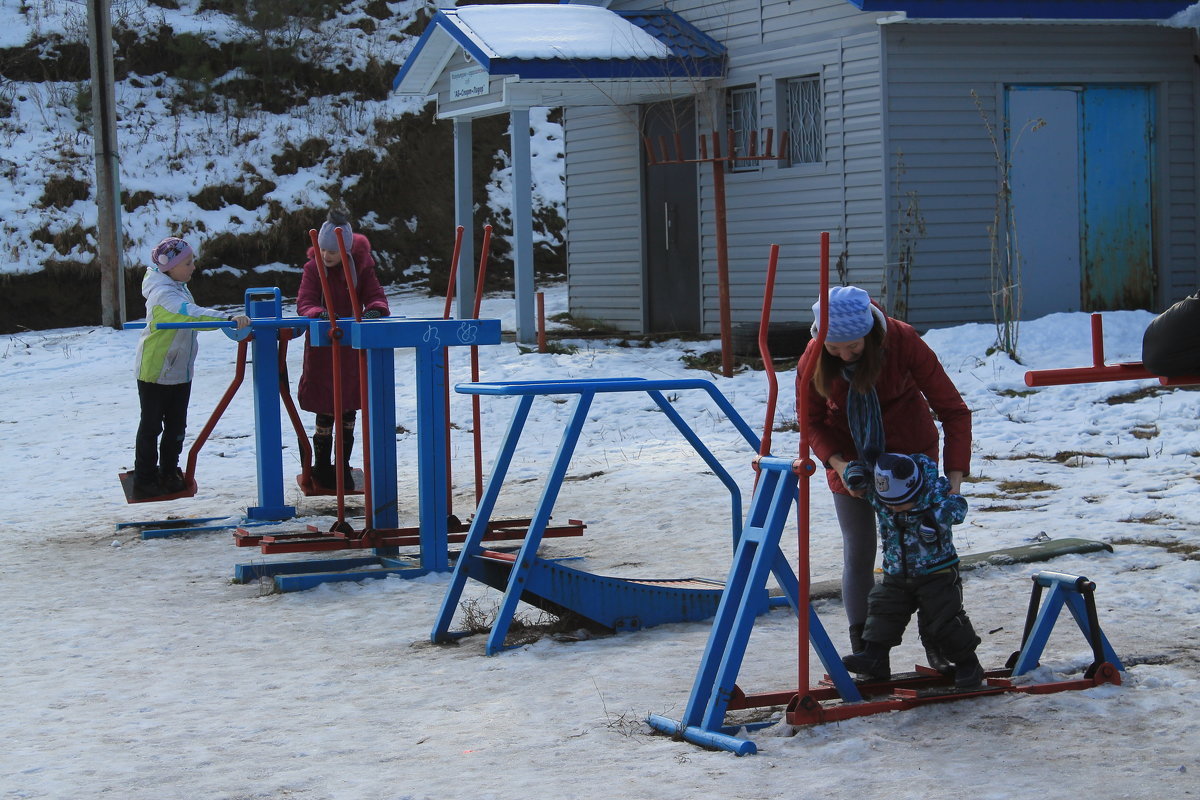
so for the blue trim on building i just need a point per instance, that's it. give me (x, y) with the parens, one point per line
(1028, 9)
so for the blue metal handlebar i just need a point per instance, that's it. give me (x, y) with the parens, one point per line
(291, 322)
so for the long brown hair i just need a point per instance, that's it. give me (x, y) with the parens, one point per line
(866, 369)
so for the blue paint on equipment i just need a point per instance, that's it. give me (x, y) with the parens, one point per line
(617, 603)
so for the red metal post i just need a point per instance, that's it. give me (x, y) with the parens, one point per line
(1099, 372)
(458, 237)
(285, 396)
(541, 321)
(335, 336)
(718, 166)
(805, 467)
(764, 351)
(475, 415)
(364, 393)
(239, 373)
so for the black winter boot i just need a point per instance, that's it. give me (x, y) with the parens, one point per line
(857, 645)
(322, 469)
(146, 487)
(171, 479)
(968, 673)
(347, 470)
(935, 659)
(873, 662)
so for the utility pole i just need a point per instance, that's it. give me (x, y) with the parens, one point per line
(108, 179)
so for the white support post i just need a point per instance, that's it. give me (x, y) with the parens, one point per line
(522, 221)
(464, 215)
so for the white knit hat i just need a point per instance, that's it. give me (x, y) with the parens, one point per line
(897, 479)
(850, 315)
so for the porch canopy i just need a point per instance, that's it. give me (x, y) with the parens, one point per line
(478, 61)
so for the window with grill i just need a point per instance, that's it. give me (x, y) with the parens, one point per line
(804, 112)
(742, 112)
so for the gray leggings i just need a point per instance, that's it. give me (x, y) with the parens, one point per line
(859, 545)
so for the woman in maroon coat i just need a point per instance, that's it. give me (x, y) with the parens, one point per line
(877, 388)
(317, 380)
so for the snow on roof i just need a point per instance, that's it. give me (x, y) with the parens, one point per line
(1188, 18)
(528, 31)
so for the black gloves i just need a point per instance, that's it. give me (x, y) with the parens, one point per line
(372, 313)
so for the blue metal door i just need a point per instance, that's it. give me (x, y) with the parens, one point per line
(1116, 237)
(1081, 176)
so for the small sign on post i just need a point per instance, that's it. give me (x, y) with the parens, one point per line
(469, 82)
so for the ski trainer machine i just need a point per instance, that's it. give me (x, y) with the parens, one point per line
(838, 696)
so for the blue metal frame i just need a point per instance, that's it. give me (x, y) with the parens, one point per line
(524, 574)
(264, 306)
(1077, 594)
(757, 555)
(380, 338)
(268, 438)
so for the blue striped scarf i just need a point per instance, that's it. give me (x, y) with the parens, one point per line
(865, 420)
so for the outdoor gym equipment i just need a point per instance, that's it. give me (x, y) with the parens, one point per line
(374, 341)
(378, 339)
(550, 584)
(715, 691)
(616, 603)
(267, 328)
(1100, 372)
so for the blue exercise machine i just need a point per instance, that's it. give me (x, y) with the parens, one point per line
(715, 691)
(551, 584)
(264, 307)
(379, 338)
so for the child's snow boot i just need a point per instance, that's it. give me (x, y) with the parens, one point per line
(322, 469)
(171, 479)
(968, 673)
(146, 487)
(857, 645)
(873, 662)
(935, 659)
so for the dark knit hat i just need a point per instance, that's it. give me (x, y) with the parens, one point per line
(169, 253)
(897, 479)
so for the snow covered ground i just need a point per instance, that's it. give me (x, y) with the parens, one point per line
(136, 669)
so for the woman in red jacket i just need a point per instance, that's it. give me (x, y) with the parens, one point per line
(317, 379)
(876, 388)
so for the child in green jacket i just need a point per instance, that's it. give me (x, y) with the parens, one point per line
(166, 359)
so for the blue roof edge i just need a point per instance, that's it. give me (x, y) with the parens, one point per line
(440, 20)
(684, 62)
